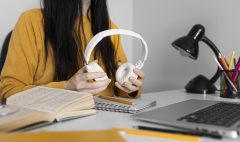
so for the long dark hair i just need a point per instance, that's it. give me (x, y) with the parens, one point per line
(60, 18)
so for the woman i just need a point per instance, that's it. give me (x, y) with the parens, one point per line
(47, 49)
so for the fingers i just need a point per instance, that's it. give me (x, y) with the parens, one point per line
(97, 84)
(131, 87)
(82, 70)
(136, 82)
(95, 91)
(123, 88)
(139, 73)
(92, 75)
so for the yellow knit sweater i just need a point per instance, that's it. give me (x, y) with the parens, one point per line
(26, 66)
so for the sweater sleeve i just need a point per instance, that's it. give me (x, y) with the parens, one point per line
(121, 57)
(22, 60)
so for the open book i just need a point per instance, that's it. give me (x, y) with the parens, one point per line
(42, 104)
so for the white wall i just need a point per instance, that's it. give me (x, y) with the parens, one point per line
(162, 21)
(10, 11)
(121, 12)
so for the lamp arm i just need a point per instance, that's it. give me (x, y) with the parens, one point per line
(216, 52)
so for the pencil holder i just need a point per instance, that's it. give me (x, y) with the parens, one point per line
(230, 84)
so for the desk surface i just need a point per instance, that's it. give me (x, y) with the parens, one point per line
(108, 120)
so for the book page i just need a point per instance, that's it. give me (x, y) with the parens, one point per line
(45, 99)
(22, 117)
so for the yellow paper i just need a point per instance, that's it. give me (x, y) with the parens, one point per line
(81, 136)
(163, 135)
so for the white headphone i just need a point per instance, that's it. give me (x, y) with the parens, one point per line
(125, 70)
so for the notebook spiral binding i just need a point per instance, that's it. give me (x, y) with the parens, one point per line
(138, 106)
(113, 107)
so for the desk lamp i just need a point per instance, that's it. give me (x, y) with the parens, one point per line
(188, 47)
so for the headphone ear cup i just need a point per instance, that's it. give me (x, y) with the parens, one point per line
(94, 67)
(124, 72)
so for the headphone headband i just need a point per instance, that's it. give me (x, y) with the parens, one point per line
(98, 37)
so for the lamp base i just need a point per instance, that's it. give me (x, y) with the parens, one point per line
(200, 85)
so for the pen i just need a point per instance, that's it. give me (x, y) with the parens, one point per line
(195, 133)
(229, 91)
(235, 63)
(227, 77)
(223, 63)
(225, 60)
(225, 67)
(236, 72)
(231, 61)
(162, 135)
(116, 100)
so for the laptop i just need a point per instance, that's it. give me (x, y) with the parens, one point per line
(215, 117)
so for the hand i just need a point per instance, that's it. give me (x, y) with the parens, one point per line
(133, 84)
(83, 82)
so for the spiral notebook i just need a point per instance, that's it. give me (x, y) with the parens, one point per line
(139, 105)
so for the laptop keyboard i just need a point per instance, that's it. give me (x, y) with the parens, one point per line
(220, 114)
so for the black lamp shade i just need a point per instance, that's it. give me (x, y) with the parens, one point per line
(188, 45)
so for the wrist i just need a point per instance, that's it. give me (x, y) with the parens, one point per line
(66, 85)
